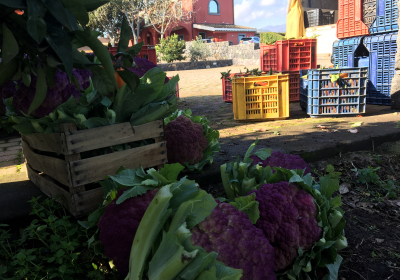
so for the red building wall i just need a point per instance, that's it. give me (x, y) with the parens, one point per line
(225, 16)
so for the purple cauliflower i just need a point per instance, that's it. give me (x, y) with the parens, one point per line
(238, 243)
(118, 226)
(143, 66)
(227, 231)
(57, 95)
(288, 220)
(287, 161)
(185, 141)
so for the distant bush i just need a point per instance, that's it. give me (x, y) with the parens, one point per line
(271, 37)
(171, 49)
(198, 50)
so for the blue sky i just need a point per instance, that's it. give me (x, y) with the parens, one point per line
(259, 13)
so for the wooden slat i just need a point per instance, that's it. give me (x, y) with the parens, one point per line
(48, 142)
(51, 189)
(88, 201)
(94, 169)
(90, 139)
(54, 167)
(67, 129)
(77, 204)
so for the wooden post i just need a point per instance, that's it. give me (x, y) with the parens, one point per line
(67, 129)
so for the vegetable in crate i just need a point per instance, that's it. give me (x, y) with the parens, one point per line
(190, 141)
(199, 228)
(142, 66)
(62, 90)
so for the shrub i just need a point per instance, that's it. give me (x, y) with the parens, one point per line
(198, 50)
(171, 49)
(270, 38)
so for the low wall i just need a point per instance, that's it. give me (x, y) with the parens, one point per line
(175, 66)
(238, 53)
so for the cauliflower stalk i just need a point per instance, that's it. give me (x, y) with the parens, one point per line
(190, 141)
(298, 215)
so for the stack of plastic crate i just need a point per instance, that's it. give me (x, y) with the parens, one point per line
(350, 21)
(376, 51)
(289, 57)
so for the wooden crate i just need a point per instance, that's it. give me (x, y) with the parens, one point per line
(70, 179)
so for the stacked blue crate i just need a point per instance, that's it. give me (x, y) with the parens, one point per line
(387, 14)
(382, 58)
(343, 51)
(345, 96)
(303, 84)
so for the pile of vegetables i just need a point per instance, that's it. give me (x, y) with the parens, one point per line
(190, 140)
(274, 223)
(46, 81)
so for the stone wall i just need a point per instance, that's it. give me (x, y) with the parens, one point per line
(175, 66)
(247, 54)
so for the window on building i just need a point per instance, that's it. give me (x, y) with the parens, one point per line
(213, 7)
(181, 37)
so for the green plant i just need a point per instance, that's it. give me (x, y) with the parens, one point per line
(198, 50)
(367, 175)
(392, 189)
(171, 49)
(270, 38)
(53, 246)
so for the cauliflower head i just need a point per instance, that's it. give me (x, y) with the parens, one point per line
(288, 220)
(238, 243)
(142, 66)
(186, 142)
(62, 90)
(287, 161)
(118, 226)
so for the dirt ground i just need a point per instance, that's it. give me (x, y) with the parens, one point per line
(372, 211)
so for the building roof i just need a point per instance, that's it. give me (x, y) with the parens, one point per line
(223, 27)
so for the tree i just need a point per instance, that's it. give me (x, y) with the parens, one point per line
(163, 14)
(133, 11)
(107, 19)
(171, 48)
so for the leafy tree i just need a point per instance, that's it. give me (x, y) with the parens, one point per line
(108, 19)
(134, 11)
(171, 48)
(198, 50)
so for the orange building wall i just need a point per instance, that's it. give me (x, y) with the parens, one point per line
(225, 16)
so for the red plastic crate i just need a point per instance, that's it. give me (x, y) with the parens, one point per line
(289, 55)
(148, 52)
(350, 22)
(269, 57)
(294, 87)
(227, 87)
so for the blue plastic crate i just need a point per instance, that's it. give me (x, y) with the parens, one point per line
(343, 51)
(382, 59)
(303, 89)
(387, 14)
(344, 97)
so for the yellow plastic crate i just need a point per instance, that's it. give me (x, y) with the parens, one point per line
(261, 98)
